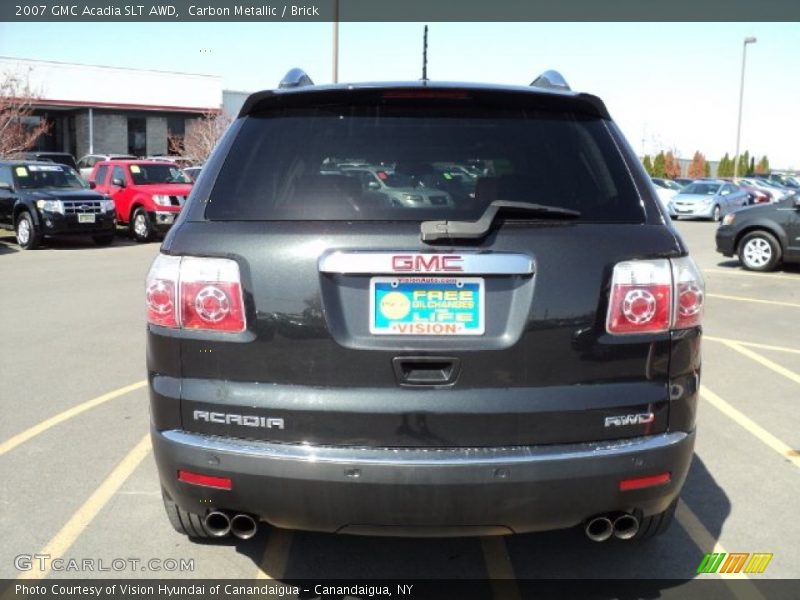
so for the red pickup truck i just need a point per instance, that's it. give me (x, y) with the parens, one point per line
(147, 194)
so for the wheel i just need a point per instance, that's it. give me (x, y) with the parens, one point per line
(103, 240)
(650, 527)
(141, 228)
(759, 251)
(183, 521)
(715, 216)
(28, 236)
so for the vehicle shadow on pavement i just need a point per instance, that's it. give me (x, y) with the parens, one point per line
(672, 558)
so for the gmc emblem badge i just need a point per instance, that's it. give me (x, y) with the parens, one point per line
(427, 263)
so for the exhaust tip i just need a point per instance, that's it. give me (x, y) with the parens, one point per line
(626, 527)
(599, 529)
(217, 523)
(243, 526)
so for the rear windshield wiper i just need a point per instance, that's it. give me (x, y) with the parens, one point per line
(438, 230)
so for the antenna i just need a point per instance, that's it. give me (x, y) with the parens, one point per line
(425, 54)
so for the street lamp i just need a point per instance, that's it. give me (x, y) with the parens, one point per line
(747, 40)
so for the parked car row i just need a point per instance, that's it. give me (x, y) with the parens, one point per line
(41, 199)
(714, 198)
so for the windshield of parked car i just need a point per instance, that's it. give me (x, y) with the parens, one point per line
(47, 176)
(149, 174)
(287, 163)
(703, 189)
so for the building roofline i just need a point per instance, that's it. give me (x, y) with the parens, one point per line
(41, 103)
(72, 64)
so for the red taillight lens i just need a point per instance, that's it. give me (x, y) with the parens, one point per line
(216, 306)
(639, 483)
(221, 483)
(160, 294)
(690, 292)
(195, 293)
(651, 296)
(641, 297)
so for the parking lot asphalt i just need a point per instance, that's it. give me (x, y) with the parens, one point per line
(80, 481)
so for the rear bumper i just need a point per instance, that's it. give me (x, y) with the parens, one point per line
(436, 491)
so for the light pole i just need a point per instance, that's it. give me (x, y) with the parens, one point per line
(747, 40)
(335, 41)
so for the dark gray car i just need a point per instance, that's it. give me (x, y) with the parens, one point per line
(523, 358)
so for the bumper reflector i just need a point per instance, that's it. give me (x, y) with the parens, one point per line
(638, 483)
(221, 483)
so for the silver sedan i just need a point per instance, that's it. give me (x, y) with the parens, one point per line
(708, 199)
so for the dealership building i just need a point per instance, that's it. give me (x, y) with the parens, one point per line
(97, 109)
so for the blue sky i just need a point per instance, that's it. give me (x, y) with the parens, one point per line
(669, 85)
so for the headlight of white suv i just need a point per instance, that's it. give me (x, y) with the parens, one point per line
(161, 200)
(55, 206)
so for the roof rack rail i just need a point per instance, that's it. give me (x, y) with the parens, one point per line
(295, 78)
(551, 80)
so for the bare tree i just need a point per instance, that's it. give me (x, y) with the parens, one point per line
(17, 133)
(201, 136)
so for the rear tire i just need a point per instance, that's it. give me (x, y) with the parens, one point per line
(759, 251)
(141, 228)
(655, 525)
(28, 235)
(183, 521)
(717, 214)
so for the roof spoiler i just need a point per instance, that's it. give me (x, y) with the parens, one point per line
(295, 78)
(551, 80)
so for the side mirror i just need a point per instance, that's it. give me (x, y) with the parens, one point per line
(4, 185)
(118, 182)
(92, 185)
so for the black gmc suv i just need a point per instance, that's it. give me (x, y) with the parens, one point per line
(41, 199)
(520, 352)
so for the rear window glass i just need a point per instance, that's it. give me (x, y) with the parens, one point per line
(420, 163)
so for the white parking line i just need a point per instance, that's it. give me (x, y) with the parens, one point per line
(753, 300)
(83, 517)
(31, 432)
(782, 448)
(763, 360)
(707, 543)
(711, 338)
(749, 274)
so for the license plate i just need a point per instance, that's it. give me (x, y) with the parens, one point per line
(85, 218)
(426, 306)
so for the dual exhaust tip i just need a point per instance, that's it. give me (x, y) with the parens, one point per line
(623, 527)
(219, 524)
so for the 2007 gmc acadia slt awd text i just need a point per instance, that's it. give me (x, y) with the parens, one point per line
(423, 309)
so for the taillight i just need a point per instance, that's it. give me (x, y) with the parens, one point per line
(195, 293)
(689, 291)
(160, 293)
(651, 296)
(641, 297)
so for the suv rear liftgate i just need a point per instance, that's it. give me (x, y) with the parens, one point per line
(517, 350)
